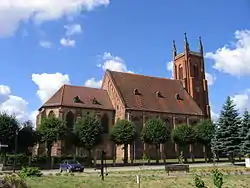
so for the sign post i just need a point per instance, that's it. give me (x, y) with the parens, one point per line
(3, 146)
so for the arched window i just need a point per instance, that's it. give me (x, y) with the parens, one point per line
(70, 120)
(68, 140)
(51, 113)
(105, 123)
(180, 72)
(195, 70)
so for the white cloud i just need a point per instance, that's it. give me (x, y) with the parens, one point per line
(67, 42)
(45, 44)
(242, 100)
(93, 83)
(15, 12)
(214, 115)
(4, 93)
(73, 29)
(170, 66)
(15, 105)
(113, 63)
(48, 84)
(210, 78)
(233, 59)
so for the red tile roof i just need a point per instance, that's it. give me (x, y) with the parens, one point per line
(148, 99)
(65, 97)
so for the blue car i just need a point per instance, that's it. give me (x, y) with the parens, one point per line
(71, 166)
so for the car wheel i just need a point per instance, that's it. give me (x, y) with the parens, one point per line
(68, 170)
(60, 170)
(82, 170)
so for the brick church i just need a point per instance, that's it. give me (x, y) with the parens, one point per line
(183, 99)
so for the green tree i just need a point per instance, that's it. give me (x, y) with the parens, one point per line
(27, 137)
(51, 130)
(9, 125)
(183, 135)
(123, 133)
(204, 133)
(89, 131)
(246, 145)
(227, 138)
(155, 133)
(244, 131)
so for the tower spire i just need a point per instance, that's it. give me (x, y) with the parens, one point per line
(186, 45)
(174, 49)
(200, 46)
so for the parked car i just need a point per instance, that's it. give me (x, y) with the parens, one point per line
(71, 166)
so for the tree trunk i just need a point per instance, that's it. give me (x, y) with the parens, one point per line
(125, 160)
(49, 148)
(89, 157)
(205, 153)
(231, 155)
(157, 147)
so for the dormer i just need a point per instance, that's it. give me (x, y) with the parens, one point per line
(136, 92)
(158, 94)
(95, 101)
(178, 97)
(77, 99)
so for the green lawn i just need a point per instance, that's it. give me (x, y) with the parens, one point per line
(239, 181)
(141, 161)
(233, 178)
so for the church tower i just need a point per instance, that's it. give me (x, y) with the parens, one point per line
(188, 67)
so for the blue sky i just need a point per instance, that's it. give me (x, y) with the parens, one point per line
(44, 44)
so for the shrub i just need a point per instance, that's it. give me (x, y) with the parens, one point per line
(217, 178)
(30, 171)
(14, 181)
(199, 183)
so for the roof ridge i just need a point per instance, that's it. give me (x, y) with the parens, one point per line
(69, 85)
(148, 76)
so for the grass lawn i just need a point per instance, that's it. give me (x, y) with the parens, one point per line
(149, 178)
(239, 181)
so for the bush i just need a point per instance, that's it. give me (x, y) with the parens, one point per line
(217, 178)
(30, 171)
(199, 183)
(14, 181)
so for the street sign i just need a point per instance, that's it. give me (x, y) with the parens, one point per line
(3, 146)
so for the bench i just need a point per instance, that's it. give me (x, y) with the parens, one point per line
(172, 168)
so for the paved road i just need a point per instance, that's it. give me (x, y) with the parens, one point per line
(135, 168)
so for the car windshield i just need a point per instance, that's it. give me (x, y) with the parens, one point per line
(73, 162)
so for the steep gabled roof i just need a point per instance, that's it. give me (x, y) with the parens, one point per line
(89, 98)
(148, 93)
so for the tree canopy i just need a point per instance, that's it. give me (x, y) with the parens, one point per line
(27, 137)
(155, 133)
(9, 126)
(244, 131)
(205, 132)
(183, 135)
(51, 130)
(123, 132)
(89, 131)
(227, 138)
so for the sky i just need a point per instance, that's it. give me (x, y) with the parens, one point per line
(47, 43)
